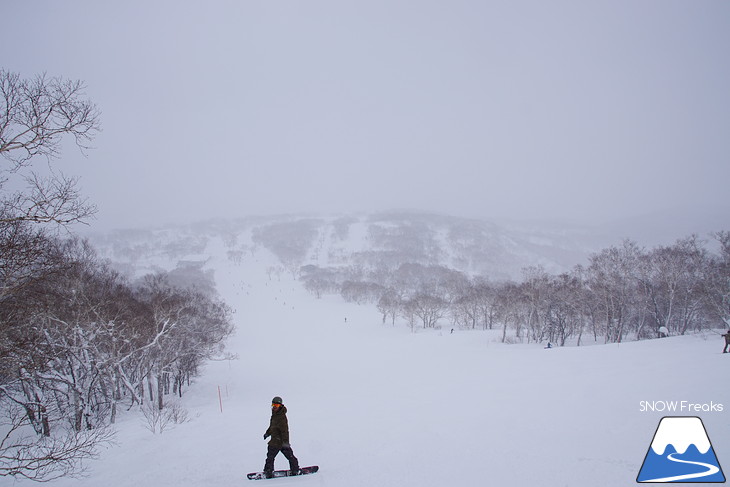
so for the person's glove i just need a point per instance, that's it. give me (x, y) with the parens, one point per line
(266, 435)
(286, 445)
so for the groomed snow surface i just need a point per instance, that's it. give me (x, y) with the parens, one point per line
(376, 405)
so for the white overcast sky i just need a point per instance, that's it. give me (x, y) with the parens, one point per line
(518, 108)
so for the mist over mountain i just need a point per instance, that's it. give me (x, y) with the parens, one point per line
(495, 250)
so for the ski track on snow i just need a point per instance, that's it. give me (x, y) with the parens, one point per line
(711, 471)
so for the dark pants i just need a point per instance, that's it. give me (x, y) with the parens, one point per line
(288, 453)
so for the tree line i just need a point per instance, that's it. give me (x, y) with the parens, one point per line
(77, 340)
(624, 291)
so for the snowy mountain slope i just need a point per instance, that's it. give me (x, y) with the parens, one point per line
(368, 240)
(378, 405)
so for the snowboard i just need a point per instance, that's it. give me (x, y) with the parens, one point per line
(283, 473)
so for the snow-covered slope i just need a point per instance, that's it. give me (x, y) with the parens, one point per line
(474, 247)
(376, 405)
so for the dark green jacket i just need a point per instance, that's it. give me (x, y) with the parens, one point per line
(278, 429)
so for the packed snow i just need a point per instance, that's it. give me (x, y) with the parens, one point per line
(377, 405)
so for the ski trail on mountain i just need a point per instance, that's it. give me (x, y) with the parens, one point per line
(711, 471)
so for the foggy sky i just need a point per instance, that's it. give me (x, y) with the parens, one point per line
(517, 109)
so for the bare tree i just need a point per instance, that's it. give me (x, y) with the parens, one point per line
(23, 455)
(428, 308)
(50, 199)
(563, 309)
(465, 308)
(36, 113)
(389, 304)
(25, 253)
(613, 282)
(487, 303)
(717, 281)
(535, 290)
(35, 116)
(509, 299)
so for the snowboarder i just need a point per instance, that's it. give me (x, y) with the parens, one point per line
(727, 341)
(279, 433)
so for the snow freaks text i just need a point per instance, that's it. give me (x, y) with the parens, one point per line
(679, 407)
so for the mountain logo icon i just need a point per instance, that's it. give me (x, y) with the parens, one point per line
(681, 452)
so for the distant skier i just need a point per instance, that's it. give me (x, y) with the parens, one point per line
(279, 433)
(549, 345)
(727, 341)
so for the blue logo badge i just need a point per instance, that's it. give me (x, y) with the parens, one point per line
(681, 452)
